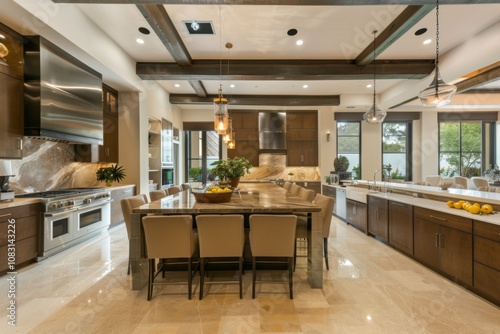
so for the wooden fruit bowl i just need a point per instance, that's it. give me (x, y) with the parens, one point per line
(203, 197)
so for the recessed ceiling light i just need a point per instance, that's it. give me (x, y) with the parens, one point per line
(369, 86)
(427, 41)
(144, 30)
(140, 41)
(299, 42)
(292, 32)
(177, 85)
(232, 86)
(305, 86)
(420, 31)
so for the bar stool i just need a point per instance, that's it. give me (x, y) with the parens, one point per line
(157, 194)
(185, 186)
(169, 237)
(127, 204)
(287, 185)
(480, 182)
(306, 194)
(220, 236)
(463, 181)
(272, 236)
(294, 189)
(173, 190)
(434, 180)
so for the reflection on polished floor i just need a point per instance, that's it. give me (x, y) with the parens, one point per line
(370, 288)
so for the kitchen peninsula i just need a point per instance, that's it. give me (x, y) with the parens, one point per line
(252, 198)
(417, 221)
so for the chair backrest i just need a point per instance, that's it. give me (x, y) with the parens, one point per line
(220, 235)
(489, 189)
(173, 190)
(272, 235)
(446, 179)
(434, 180)
(169, 236)
(307, 194)
(157, 194)
(127, 205)
(463, 181)
(185, 186)
(294, 189)
(479, 182)
(287, 185)
(326, 204)
(456, 186)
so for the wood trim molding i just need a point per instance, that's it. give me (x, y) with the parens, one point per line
(260, 100)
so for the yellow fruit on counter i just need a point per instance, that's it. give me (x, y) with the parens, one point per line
(465, 205)
(486, 208)
(457, 205)
(474, 209)
(450, 204)
(477, 204)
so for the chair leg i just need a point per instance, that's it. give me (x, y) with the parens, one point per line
(128, 267)
(241, 278)
(294, 254)
(190, 279)
(202, 276)
(254, 276)
(151, 278)
(325, 247)
(290, 277)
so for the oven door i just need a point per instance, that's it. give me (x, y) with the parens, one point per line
(92, 218)
(58, 229)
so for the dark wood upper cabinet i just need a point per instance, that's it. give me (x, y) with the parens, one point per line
(302, 138)
(246, 128)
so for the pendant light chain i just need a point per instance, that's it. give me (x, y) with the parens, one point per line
(374, 64)
(437, 32)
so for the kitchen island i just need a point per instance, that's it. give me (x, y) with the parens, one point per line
(252, 198)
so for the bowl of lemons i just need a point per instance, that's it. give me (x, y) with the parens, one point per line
(213, 194)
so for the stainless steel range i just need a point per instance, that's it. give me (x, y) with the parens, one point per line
(71, 216)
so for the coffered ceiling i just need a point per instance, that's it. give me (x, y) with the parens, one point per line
(266, 66)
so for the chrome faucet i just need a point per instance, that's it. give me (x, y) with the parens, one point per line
(374, 180)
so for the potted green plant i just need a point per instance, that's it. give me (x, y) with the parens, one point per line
(110, 174)
(230, 170)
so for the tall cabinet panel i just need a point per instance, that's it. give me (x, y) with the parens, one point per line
(302, 138)
(11, 94)
(246, 128)
(154, 154)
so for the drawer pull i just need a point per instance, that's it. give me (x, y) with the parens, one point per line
(6, 215)
(439, 218)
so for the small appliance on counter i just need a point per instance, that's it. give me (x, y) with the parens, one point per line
(5, 172)
(340, 178)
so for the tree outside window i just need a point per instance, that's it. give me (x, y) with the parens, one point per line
(396, 150)
(349, 145)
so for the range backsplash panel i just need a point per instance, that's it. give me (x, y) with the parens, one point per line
(49, 165)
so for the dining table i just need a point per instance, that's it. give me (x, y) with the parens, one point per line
(249, 198)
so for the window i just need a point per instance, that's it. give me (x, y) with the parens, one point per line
(396, 150)
(349, 145)
(203, 148)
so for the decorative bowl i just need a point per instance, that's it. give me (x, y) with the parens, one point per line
(445, 185)
(204, 197)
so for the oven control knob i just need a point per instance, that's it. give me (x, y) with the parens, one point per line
(70, 202)
(59, 205)
(52, 206)
(87, 200)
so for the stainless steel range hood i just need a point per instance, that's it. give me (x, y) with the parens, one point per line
(62, 96)
(272, 132)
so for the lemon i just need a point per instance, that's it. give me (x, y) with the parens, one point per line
(457, 205)
(477, 204)
(208, 191)
(486, 208)
(474, 209)
(450, 204)
(465, 205)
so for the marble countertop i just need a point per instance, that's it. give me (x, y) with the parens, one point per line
(18, 202)
(252, 198)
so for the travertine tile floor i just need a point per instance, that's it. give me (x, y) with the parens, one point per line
(370, 288)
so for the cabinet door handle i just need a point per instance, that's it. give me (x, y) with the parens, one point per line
(376, 213)
(6, 215)
(20, 144)
(439, 218)
(437, 240)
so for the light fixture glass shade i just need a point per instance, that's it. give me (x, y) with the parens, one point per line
(228, 137)
(6, 168)
(439, 93)
(221, 115)
(374, 115)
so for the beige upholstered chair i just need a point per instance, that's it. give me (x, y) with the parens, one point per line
(169, 237)
(173, 190)
(220, 236)
(294, 189)
(307, 194)
(127, 205)
(157, 194)
(434, 180)
(463, 181)
(456, 186)
(480, 182)
(490, 189)
(326, 204)
(287, 185)
(272, 236)
(185, 186)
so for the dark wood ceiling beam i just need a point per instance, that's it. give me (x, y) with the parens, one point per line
(397, 28)
(284, 2)
(198, 87)
(267, 100)
(476, 81)
(164, 28)
(286, 70)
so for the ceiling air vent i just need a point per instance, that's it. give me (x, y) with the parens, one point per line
(199, 27)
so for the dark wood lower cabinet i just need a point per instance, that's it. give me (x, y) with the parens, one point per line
(378, 217)
(487, 260)
(401, 226)
(356, 214)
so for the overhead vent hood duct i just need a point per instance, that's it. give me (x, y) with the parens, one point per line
(272, 132)
(62, 96)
